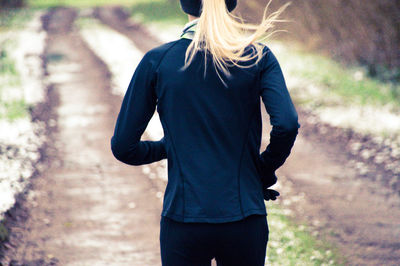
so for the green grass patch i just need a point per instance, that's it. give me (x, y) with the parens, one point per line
(14, 17)
(11, 108)
(14, 109)
(8, 72)
(293, 244)
(12, 104)
(81, 3)
(352, 83)
(159, 11)
(7, 66)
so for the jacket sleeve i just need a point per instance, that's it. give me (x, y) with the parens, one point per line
(283, 118)
(137, 108)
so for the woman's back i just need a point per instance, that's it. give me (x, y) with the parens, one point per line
(212, 135)
(212, 130)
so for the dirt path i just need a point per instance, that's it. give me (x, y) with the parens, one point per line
(90, 209)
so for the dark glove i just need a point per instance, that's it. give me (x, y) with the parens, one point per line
(267, 181)
(268, 178)
(270, 194)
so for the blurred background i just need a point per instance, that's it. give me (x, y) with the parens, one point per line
(65, 66)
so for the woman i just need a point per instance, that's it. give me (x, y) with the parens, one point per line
(207, 87)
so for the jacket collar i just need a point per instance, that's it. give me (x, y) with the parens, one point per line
(189, 29)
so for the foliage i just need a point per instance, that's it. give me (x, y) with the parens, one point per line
(364, 32)
(351, 82)
(11, 3)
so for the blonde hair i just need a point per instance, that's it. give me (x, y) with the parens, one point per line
(219, 33)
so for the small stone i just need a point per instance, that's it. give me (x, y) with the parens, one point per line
(146, 170)
(366, 154)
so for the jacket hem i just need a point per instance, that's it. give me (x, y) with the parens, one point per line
(203, 219)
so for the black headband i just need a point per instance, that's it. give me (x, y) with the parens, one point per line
(193, 7)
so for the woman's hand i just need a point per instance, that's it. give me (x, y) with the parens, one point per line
(270, 194)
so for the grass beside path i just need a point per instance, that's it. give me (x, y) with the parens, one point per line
(296, 244)
(12, 104)
(351, 83)
(14, 17)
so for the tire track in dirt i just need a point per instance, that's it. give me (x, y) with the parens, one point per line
(360, 216)
(90, 209)
(117, 19)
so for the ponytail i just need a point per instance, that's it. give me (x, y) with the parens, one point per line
(218, 33)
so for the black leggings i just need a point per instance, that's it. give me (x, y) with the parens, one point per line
(239, 243)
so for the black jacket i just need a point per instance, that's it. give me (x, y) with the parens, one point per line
(212, 133)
